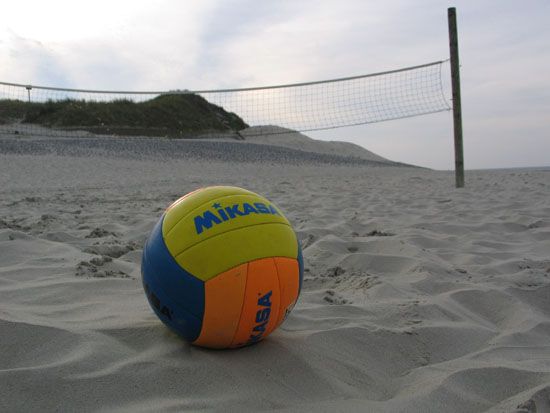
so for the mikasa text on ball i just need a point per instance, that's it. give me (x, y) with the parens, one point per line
(222, 267)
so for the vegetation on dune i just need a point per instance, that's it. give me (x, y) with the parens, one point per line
(12, 110)
(177, 115)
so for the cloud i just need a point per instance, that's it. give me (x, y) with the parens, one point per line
(298, 41)
(118, 44)
(30, 59)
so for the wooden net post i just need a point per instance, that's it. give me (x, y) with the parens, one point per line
(457, 107)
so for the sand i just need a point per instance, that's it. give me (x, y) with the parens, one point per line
(417, 297)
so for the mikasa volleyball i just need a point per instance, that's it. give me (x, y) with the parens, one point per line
(222, 267)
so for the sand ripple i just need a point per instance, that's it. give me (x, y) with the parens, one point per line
(417, 297)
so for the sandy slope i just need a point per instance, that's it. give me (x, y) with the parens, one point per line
(275, 135)
(284, 140)
(417, 296)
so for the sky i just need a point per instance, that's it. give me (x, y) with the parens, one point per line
(212, 44)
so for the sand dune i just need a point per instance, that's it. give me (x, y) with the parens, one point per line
(288, 148)
(417, 297)
(275, 135)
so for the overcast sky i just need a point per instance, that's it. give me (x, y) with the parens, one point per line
(210, 44)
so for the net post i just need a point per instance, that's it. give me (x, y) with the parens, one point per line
(29, 88)
(457, 106)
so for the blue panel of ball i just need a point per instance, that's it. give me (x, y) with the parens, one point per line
(161, 274)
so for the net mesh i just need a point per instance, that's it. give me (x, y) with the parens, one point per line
(301, 107)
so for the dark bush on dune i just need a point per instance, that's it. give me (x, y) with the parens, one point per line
(172, 115)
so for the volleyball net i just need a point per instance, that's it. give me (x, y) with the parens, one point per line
(308, 106)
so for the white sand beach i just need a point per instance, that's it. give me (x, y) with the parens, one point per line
(417, 297)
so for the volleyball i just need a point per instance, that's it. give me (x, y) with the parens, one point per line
(222, 267)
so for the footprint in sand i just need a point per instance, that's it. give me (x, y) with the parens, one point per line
(100, 233)
(334, 298)
(111, 250)
(94, 269)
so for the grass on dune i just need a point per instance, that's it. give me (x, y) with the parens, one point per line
(172, 115)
